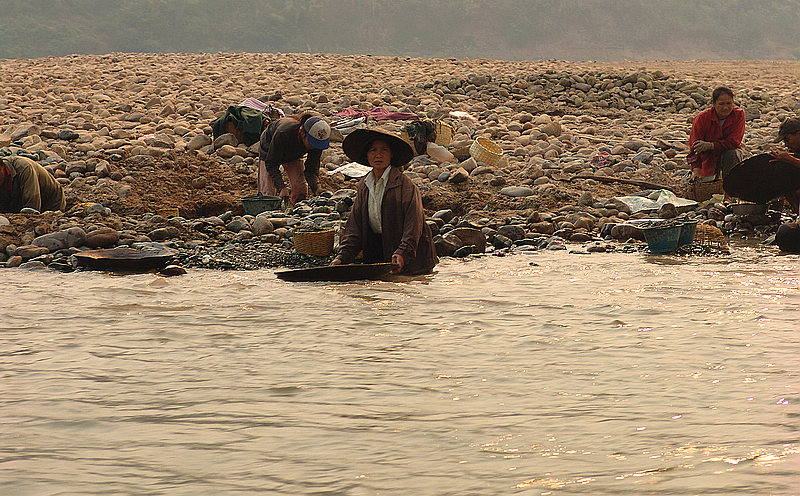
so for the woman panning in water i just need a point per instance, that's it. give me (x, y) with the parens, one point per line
(386, 221)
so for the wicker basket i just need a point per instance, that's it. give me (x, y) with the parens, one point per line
(705, 234)
(444, 133)
(319, 243)
(703, 191)
(484, 150)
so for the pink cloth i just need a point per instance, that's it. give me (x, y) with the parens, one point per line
(256, 104)
(378, 113)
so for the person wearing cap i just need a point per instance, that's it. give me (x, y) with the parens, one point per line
(26, 184)
(285, 142)
(716, 136)
(386, 221)
(789, 134)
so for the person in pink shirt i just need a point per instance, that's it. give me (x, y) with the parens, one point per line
(716, 137)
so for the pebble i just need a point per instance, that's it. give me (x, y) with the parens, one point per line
(516, 191)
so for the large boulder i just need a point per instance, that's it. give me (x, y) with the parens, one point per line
(68, 238)
(471, 236)
(447, 244)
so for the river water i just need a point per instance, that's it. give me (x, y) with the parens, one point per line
(541, 374)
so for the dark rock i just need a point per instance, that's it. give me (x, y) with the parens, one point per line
(626, 231)
(542, 227)
(14, 261)
(513, 232)
(470, 236)
(580, 237)
(30, 251)
(172, 270)
(446, 244)
(199, 182)
(159, 234)
(465, 251)
(68, 135)
(499, 241)
(102, 237)
(667, 211)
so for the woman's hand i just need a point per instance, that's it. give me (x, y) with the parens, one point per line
(336, 261)
(397, 260)
(701, 146)
(783, 155)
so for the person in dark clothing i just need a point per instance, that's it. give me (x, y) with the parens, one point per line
(386, 221)
(789, 133)
(26, 184)
(285, 142)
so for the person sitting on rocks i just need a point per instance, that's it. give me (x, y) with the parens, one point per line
(386, 221)
(285, 142)
(789, 133)
(26, 184)
(716, 137)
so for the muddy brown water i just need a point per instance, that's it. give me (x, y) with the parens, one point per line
(602, 374)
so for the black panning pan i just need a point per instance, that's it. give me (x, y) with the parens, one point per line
(758, 180)
(124, 259)
(349, 272)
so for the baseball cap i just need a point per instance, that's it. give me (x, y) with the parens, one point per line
(318, 132)
(789, 126)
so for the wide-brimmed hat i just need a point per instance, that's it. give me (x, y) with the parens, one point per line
(357, 143)
(789, 126)
(318, 132)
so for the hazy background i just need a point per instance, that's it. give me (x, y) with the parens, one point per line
(504, 29)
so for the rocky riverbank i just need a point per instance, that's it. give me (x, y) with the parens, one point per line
(129, 138)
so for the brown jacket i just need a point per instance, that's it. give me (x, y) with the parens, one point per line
(402, 220)
(29, 185)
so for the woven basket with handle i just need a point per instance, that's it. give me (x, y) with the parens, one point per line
(319, 243)
(484, 150)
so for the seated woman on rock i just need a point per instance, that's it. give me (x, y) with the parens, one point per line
(386, 221)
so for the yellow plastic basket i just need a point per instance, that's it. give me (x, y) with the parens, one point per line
(484, 150)
(319, 243)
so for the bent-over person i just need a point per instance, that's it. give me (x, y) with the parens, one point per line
(284, 143)
(26, 184)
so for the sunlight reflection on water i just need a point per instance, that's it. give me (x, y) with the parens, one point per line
(607, 374)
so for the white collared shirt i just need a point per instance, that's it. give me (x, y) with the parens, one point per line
(375, 200)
